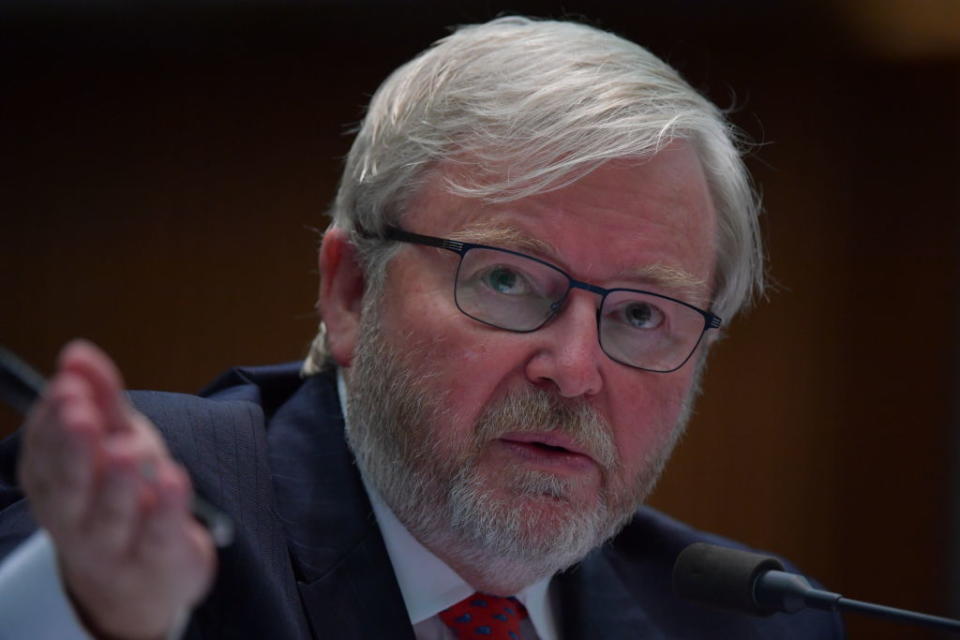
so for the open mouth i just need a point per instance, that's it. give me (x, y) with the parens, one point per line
(555, 452)
(547, 441)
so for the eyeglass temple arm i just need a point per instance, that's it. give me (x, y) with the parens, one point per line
(395, 233)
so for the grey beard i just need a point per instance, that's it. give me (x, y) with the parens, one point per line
(396, 417)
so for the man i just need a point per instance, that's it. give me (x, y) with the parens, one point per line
(538, 231)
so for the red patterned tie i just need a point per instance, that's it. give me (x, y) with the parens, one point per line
(483, 617)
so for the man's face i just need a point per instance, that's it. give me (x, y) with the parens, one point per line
(483, 440)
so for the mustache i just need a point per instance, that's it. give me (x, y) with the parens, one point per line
(532, 410)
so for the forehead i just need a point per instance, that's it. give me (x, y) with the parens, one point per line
(631, 219)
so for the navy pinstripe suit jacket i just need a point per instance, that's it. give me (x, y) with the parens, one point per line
(309, 560)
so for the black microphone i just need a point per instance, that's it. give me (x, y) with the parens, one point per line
(757, 584)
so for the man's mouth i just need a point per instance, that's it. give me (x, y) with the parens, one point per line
(554, 450)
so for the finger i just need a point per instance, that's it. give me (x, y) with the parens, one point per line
(72, 430)
(89, 361)
(172, 540)
(60, 450)
(72, 455)
(147, 434)
(43, 422)
(171, 508)
(122, 497)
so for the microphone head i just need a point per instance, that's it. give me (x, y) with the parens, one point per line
(722, 577)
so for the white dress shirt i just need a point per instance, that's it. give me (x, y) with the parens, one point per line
(33, 602)
(429, 586)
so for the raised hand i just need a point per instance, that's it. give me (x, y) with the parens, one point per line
(101, 481)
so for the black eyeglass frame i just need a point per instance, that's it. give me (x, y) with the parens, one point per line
(710, 320)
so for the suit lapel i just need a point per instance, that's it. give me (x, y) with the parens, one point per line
(595, 604)
(344, 574)
(357, 599)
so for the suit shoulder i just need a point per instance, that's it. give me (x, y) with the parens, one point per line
(170, 410)
(653, 536)
(654, 532)
(210, 437)
(237, 400)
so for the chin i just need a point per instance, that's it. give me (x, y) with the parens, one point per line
(502, 541)
(533, 517)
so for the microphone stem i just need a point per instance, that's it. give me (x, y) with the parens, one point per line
(892, 613)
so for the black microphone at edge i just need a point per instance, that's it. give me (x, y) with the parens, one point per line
(753, 583)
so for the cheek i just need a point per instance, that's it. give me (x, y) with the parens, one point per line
(648, 422)
(469, 371)
(454, 362)
(423, 318)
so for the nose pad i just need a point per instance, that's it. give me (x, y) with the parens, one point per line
(568, 356)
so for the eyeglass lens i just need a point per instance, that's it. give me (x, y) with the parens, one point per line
(519, 293)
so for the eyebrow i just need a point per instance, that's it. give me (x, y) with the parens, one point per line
(503, 236)
(672, 278)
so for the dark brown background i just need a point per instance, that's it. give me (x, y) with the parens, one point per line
(162, 172)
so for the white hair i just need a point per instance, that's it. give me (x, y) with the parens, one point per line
(550, 102)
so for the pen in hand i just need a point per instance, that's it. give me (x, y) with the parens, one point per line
(21, 385)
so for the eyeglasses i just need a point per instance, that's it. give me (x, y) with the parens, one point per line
(513, 291)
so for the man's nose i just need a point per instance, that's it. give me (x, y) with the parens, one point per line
(567, 352)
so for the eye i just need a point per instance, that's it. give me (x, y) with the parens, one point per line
(506, 280)
(642, 315)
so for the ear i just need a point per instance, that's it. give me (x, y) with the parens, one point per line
(341, 294)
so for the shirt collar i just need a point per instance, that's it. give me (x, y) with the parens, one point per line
(427, 584)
